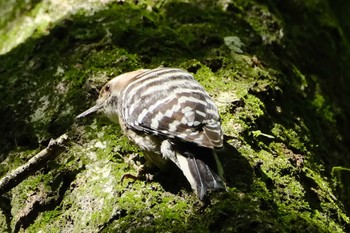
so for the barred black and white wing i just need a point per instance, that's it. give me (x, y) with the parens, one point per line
(170, 102)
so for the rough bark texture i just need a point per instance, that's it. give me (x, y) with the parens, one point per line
(278, 70)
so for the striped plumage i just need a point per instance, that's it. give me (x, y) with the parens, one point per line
(170, 116)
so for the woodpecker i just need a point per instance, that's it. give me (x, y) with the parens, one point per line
(170, 116)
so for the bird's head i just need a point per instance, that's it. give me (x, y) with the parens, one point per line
(107, 101)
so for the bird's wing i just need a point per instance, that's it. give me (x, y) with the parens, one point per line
(197, 123)
(175, 108)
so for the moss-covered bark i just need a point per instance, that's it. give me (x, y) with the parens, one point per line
(276, 69)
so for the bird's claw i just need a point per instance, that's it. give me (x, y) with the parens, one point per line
(144, 177)
(142, 174)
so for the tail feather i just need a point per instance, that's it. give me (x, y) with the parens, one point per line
(199, 175)
(195, 164)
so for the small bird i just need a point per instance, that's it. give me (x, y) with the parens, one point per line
(170, 116)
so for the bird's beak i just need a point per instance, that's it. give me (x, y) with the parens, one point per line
(90, 110)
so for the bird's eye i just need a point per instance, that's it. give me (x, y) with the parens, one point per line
(108, 87)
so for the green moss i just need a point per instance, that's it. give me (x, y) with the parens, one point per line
(271, 79)
(323, 108)
(290, 136)
(32, 190)
(15, 159)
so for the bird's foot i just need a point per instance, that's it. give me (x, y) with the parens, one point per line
(141, 174)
